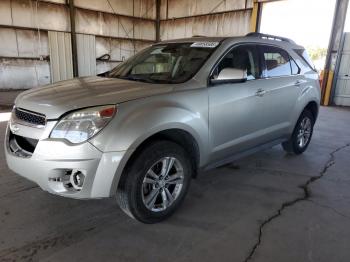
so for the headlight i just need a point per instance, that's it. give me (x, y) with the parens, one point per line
(81, 125)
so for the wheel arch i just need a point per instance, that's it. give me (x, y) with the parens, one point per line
(179, 136)
(313, 107)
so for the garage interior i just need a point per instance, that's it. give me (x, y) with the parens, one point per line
(270, 206)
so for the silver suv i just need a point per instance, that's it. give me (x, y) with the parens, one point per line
(141, 131)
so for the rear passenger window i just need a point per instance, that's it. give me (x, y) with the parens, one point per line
(276, 61)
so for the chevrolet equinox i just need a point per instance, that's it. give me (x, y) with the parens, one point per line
(141, 131)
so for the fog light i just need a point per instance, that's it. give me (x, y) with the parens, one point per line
(77, 179)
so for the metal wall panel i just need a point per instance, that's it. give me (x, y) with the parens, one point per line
(226, 24)
(5, 12)
(26, 13)
(137, 8)
(186, 8)
(118, 49)
(86, 47)
(342, 90)
(23, 73)
(91, 22)
(61, 66)
(23, 43)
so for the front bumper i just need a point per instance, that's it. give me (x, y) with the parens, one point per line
(52, 159)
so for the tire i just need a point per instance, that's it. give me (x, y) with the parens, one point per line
(145, 184)
(303, 130)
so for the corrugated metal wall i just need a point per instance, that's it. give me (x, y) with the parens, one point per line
(185, 18)
(86, 45)
(342, 90)
(120, 28)
(61, 64)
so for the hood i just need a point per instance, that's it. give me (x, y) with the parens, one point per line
(56, 99)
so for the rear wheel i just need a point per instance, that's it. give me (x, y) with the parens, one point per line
(302, 134)
(155, 183)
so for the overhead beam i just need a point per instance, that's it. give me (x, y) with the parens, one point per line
(333, 54)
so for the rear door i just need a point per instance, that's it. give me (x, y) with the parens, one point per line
(281, 89)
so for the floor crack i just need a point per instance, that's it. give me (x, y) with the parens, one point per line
(306, 196)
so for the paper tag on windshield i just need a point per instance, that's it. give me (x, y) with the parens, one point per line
(205, 44)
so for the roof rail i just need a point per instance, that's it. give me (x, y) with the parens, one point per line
(271, 37)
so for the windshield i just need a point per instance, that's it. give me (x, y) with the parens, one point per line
(165, 63)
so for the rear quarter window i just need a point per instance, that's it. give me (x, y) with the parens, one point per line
(304, 55)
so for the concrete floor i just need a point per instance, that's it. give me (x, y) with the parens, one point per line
(267, 207)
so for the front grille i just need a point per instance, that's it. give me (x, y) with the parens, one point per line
(30, 117)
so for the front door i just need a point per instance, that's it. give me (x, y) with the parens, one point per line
(235, 109)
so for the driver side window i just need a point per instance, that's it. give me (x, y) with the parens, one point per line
(240, 58)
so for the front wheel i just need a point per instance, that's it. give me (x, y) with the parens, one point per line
(155, 183)
(302, 134)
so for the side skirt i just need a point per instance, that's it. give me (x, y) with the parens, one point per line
(244, 154)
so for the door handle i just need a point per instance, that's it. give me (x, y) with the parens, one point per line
(260, 92)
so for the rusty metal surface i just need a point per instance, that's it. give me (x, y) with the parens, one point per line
(97, 23)
(27, 13)
(187, 8)
(227, 24)
(118, 49)
(136, 8)
(23, 74)
(23, 43)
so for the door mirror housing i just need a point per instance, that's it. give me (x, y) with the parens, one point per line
(230, 75)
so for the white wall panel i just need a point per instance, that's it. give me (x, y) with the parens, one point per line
(61, 67)
(342, 90)
(8, 42)
(91, 22)
(46, 16)
(186, 8)
(227, 24)
(23, 74)
(137, 8)
(118, 49)
(23, 43)
(86, 55)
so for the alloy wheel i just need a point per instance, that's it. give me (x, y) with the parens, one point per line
(162, 184)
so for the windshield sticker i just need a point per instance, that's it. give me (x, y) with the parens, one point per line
(205, 44)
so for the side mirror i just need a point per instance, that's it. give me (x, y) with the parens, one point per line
(230, 75)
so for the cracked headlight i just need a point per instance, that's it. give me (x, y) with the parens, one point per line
(81, 125)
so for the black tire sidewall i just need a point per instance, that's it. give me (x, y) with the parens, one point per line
(144, 161)
(296, 148)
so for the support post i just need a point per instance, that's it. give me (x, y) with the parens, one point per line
(73, 38)
(340, 11)
(158, 3)
(255, 19)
